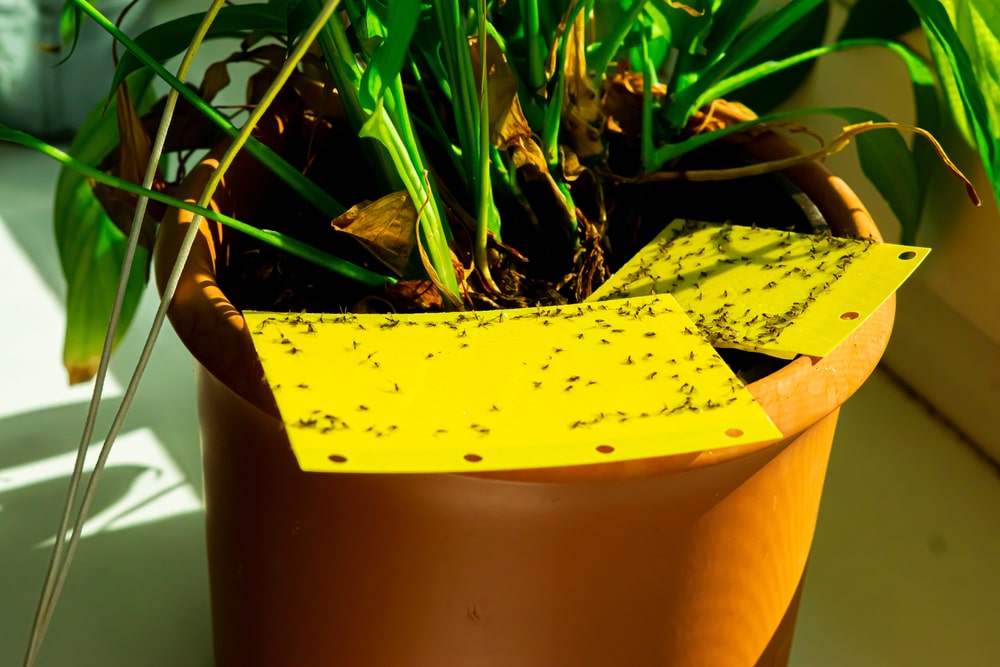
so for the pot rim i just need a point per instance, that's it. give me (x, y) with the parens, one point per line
(795, 397)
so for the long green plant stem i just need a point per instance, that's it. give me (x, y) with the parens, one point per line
(433, 126)
(407, 159)
(157, 325)
(308, 190)
(647, 150)
(458, 68)
(535, 45)
(557, 99)
(485, 207)
(600, 58)
(554, 109)
(59, 561)
(346, 75)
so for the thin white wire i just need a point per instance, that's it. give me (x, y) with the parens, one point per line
(167, 296)
(57, 562)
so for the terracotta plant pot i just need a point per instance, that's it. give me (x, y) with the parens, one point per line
(685, 560)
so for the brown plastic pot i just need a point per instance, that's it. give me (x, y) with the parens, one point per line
(693, 560)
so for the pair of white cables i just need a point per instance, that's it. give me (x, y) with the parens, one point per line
(64, 549)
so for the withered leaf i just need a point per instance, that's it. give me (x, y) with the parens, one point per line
(386, 228)
(581, 113)
(622, 101)
(690, 11)
(719, 115)
(570, 163)
(509, 128)
(507, 119)
(128, 161)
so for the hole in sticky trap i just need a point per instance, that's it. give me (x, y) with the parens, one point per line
(734, 432)
(337, 458)
(909, 254)
(605, 449)
(473, 458)
(850, 315)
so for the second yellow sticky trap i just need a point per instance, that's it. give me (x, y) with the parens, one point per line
(766, 290)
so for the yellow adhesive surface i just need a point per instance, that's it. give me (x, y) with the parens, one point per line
(529, 388)
(765, 290)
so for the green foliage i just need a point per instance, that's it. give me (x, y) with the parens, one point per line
(91, 174)
(965, 40)
(92, 249)
(765, 94)
(506, 99)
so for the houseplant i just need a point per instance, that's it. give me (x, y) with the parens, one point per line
(381, 92)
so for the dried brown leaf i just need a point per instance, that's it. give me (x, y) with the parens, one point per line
(386, 228)
(435, 279)
(419, 295)
(509, 128)
(128, 162)
(581, 113)
(691, 11)
(719, 115)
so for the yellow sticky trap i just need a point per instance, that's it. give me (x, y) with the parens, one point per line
(765, 290)
(527, 388)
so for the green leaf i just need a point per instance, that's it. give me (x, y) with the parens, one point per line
(390, 28)
(685, 32)
(453, 46)
(890, 19)
(745, 48)
(922, 161)
(396, 22)
(92, 249)
(764, 32)
(91, 267)
(290, 245)
(69, 28)
(920, 74)
(965, 38)
(765, 95)
(298, 16)
(728, 20)
(618, 22)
